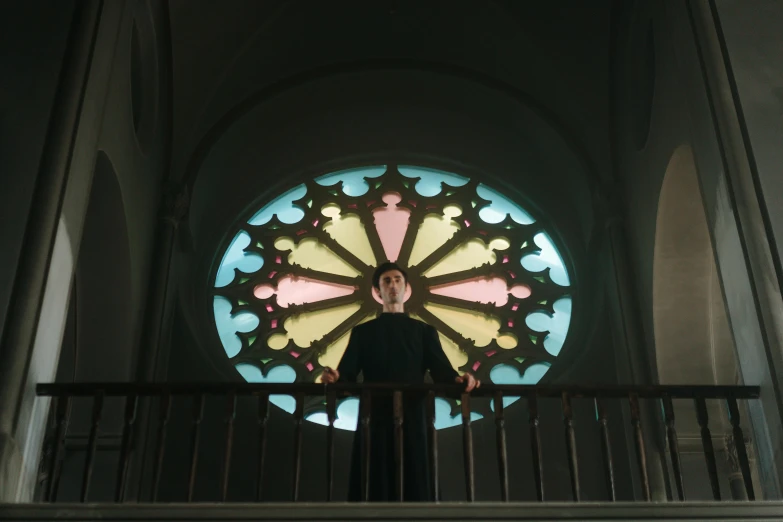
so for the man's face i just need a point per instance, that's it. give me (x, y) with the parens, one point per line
(392, 287)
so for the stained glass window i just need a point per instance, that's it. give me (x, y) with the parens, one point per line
(295, 279)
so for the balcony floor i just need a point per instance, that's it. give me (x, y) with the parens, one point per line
(490, 511)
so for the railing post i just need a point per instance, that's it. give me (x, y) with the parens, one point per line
(263, 419)
(61, 427)
(570, 437)
(160, 451)
(606, 448)
(467, 447)
(298, 434)
(674, 445)
(127, 446)
(92, 442)
(739, 446)
(231, 409)
(331, 413)
(398, 446)
(433, 443)
(198, 415)
(535, 444)
(364, 407)
(641, 454)
(500, 434)
(706, 440)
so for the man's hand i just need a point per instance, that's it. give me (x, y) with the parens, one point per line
(330, 376)
(470, 381)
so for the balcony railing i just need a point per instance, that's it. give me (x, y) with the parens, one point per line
(162, 395)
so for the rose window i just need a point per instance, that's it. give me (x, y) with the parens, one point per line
(296, 278)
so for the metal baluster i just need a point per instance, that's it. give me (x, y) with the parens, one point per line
(739, 443)
(298, 425)
(92, 442)
(331, 413)
(198, 416)
(706, 440)
(641, 455)
(263, 419)
(60, 428)
(606, 447)
(535, 445)
(570, 437)
(674, 445)
(433, 435)
(365, 409)
(467, 448)
(500, 434)
(127, 447)
(160, 451)
(231, 413)
(398, 449)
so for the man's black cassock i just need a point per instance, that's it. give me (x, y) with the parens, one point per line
(394, 348)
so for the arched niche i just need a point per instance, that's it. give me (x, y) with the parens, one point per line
(99, 343)
(693, 342)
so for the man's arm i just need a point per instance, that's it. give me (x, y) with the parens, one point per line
(439, 365)
(435, 359)
(349, 367)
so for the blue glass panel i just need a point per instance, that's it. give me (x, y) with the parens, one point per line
(347, 415)
(282, 373)
(228, 326)
(548, 257)
(235, 257)
(429, 184)
(353, 179)
(500, 207)
(443, 418)
(557, 325)
(281, 205)
(505, 374)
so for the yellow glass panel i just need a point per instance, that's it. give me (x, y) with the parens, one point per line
(507, 341)
(433, 232)
(310, 253)
(471, 254)
(334, 352)
(472, 325)
(307, 327)
(349, 232)
(455, 355)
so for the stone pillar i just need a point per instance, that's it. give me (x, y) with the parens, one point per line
(632, 355)
(18, 338)
(152, 364)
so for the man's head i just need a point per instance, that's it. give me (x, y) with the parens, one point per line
(391, 282)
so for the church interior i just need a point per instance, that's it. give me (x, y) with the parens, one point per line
(585, 196)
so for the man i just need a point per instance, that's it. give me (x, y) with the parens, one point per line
(394, 348)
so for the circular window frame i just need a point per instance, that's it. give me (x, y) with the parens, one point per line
(566, 355)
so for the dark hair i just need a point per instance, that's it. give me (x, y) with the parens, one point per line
(382, 269)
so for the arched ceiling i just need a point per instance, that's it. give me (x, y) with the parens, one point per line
(557, 53)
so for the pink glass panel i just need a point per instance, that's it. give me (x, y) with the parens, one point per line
(476, 365)
(263, 291)
(391, 222)
(520, 291)
(492, 290)
(303, 290)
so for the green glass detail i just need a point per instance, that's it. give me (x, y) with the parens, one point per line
(333, 193)
(450, 193)
(241, 302)
(378, 184)
(533, 339)
(542, 302)
(474, 203)
(259, 245)
(540, 279)
(406, 184)
(274, 227)
(520, 360)
(524, 245)
(251, 340)
(243, 281)
(266, 360)
(310, 203)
